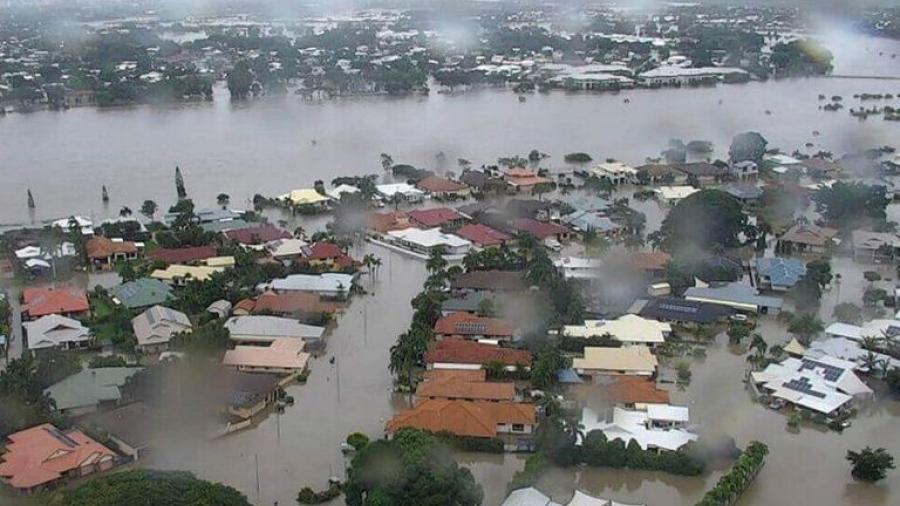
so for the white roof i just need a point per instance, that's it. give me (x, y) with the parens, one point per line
(668, 413)
(627, 425)
(844, 330)
(281, 353)
(28, 252)
(817, 381)
(783, 159)
(527, 497)
(629, 328)
(675, 71)
(676, 192)
(329, 282)
(874, 328)
(388, 190)
(634, 359)
(269, 328)
(63, 223)
(286, 247)
(158, 324)
(615, 168)
(847, 349)
(53, 330)
(429, 238)
(339, 190)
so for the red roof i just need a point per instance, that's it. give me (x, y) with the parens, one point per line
(182, 255)
(466, 324)
(539, 229)
(469, 352)
(385, 222)
(43, 454)
(634, 390)
(38, 302)
(435, 217)
(290, 303)
(257, 235)
(323, 251)
(482, 235)
(437, 184)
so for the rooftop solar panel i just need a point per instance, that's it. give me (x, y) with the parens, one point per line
(802, 385)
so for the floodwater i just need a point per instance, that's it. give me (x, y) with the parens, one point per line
(265, 147)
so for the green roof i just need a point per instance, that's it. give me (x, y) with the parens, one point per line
(142, 292)
(90, 386)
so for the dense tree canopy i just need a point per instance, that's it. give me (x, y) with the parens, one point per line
(708, 219)
(150, 488)
(747, 146)
(411, 469)
(847, 203)
(869, 464)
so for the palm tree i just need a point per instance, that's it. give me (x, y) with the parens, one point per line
(869, 343)
(870, 362)
(223, 199)
(436, 261)
(149, 208)
(125, 212)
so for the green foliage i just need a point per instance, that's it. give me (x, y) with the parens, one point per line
(547, 362)
(578, 344)
(411, 469)
(597, 451)
(535, 466)
(747, 146)
(240, 80)
(210, 339)
(358, 440)
(805, 327)
(577, 158)
(870, 465)
(22, 400)
(848, 203)
(708, 219)
(489, 259)
(310, 496)
(470, 444)
(847, 312)
(737, 332)
(138, 486)
(735, 482)
(802, 57)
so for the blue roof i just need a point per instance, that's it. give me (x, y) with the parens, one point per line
(586, 202)
(568, 376)
(781, 271)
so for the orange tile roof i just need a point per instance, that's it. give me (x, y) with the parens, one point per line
(457, 374)
(437, 184)
(467, 324)
(463, 418)
(102, 247)
(386, 222)
(635, 390)
(469, 352)
(291, 302)
(43, 454)
(466, 390)
(43, 301)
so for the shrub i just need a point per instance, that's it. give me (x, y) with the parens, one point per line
(357, 440)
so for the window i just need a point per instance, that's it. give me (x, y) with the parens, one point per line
(518, 427)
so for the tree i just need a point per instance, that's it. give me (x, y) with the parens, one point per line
(737, 332)
(179, 184)
(386, 161)
(125, 212)
(541, 188)
(871, 277)
(707, 219)
(240, 80)
(406, 354)
(138, 486)
(848, 203)
(413, 468)
(819, 271)
(747, 146)
(547, 362)
(807, 293)
(847, 312)
(870, 465)
(149, 208)
(805, 327)
(223, 199)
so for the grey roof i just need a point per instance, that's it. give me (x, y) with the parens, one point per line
(327, 283)
(133, 424)
(90, 387)
(224, 226)
(743, 191)
(585, 202)
(262, 327)
(206, 215)
(468, 302)
(585, 221)
(142, 292)
(734, 292)
(781, 271)
(158, 324)
(682, 310)
(53, 330)
(528, 497)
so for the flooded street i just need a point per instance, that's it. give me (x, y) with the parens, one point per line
(302, 445)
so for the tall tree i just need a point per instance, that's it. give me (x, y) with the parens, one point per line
(149, 208)
(179, 184)
(707, 219)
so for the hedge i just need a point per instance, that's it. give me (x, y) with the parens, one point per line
(731, 485)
